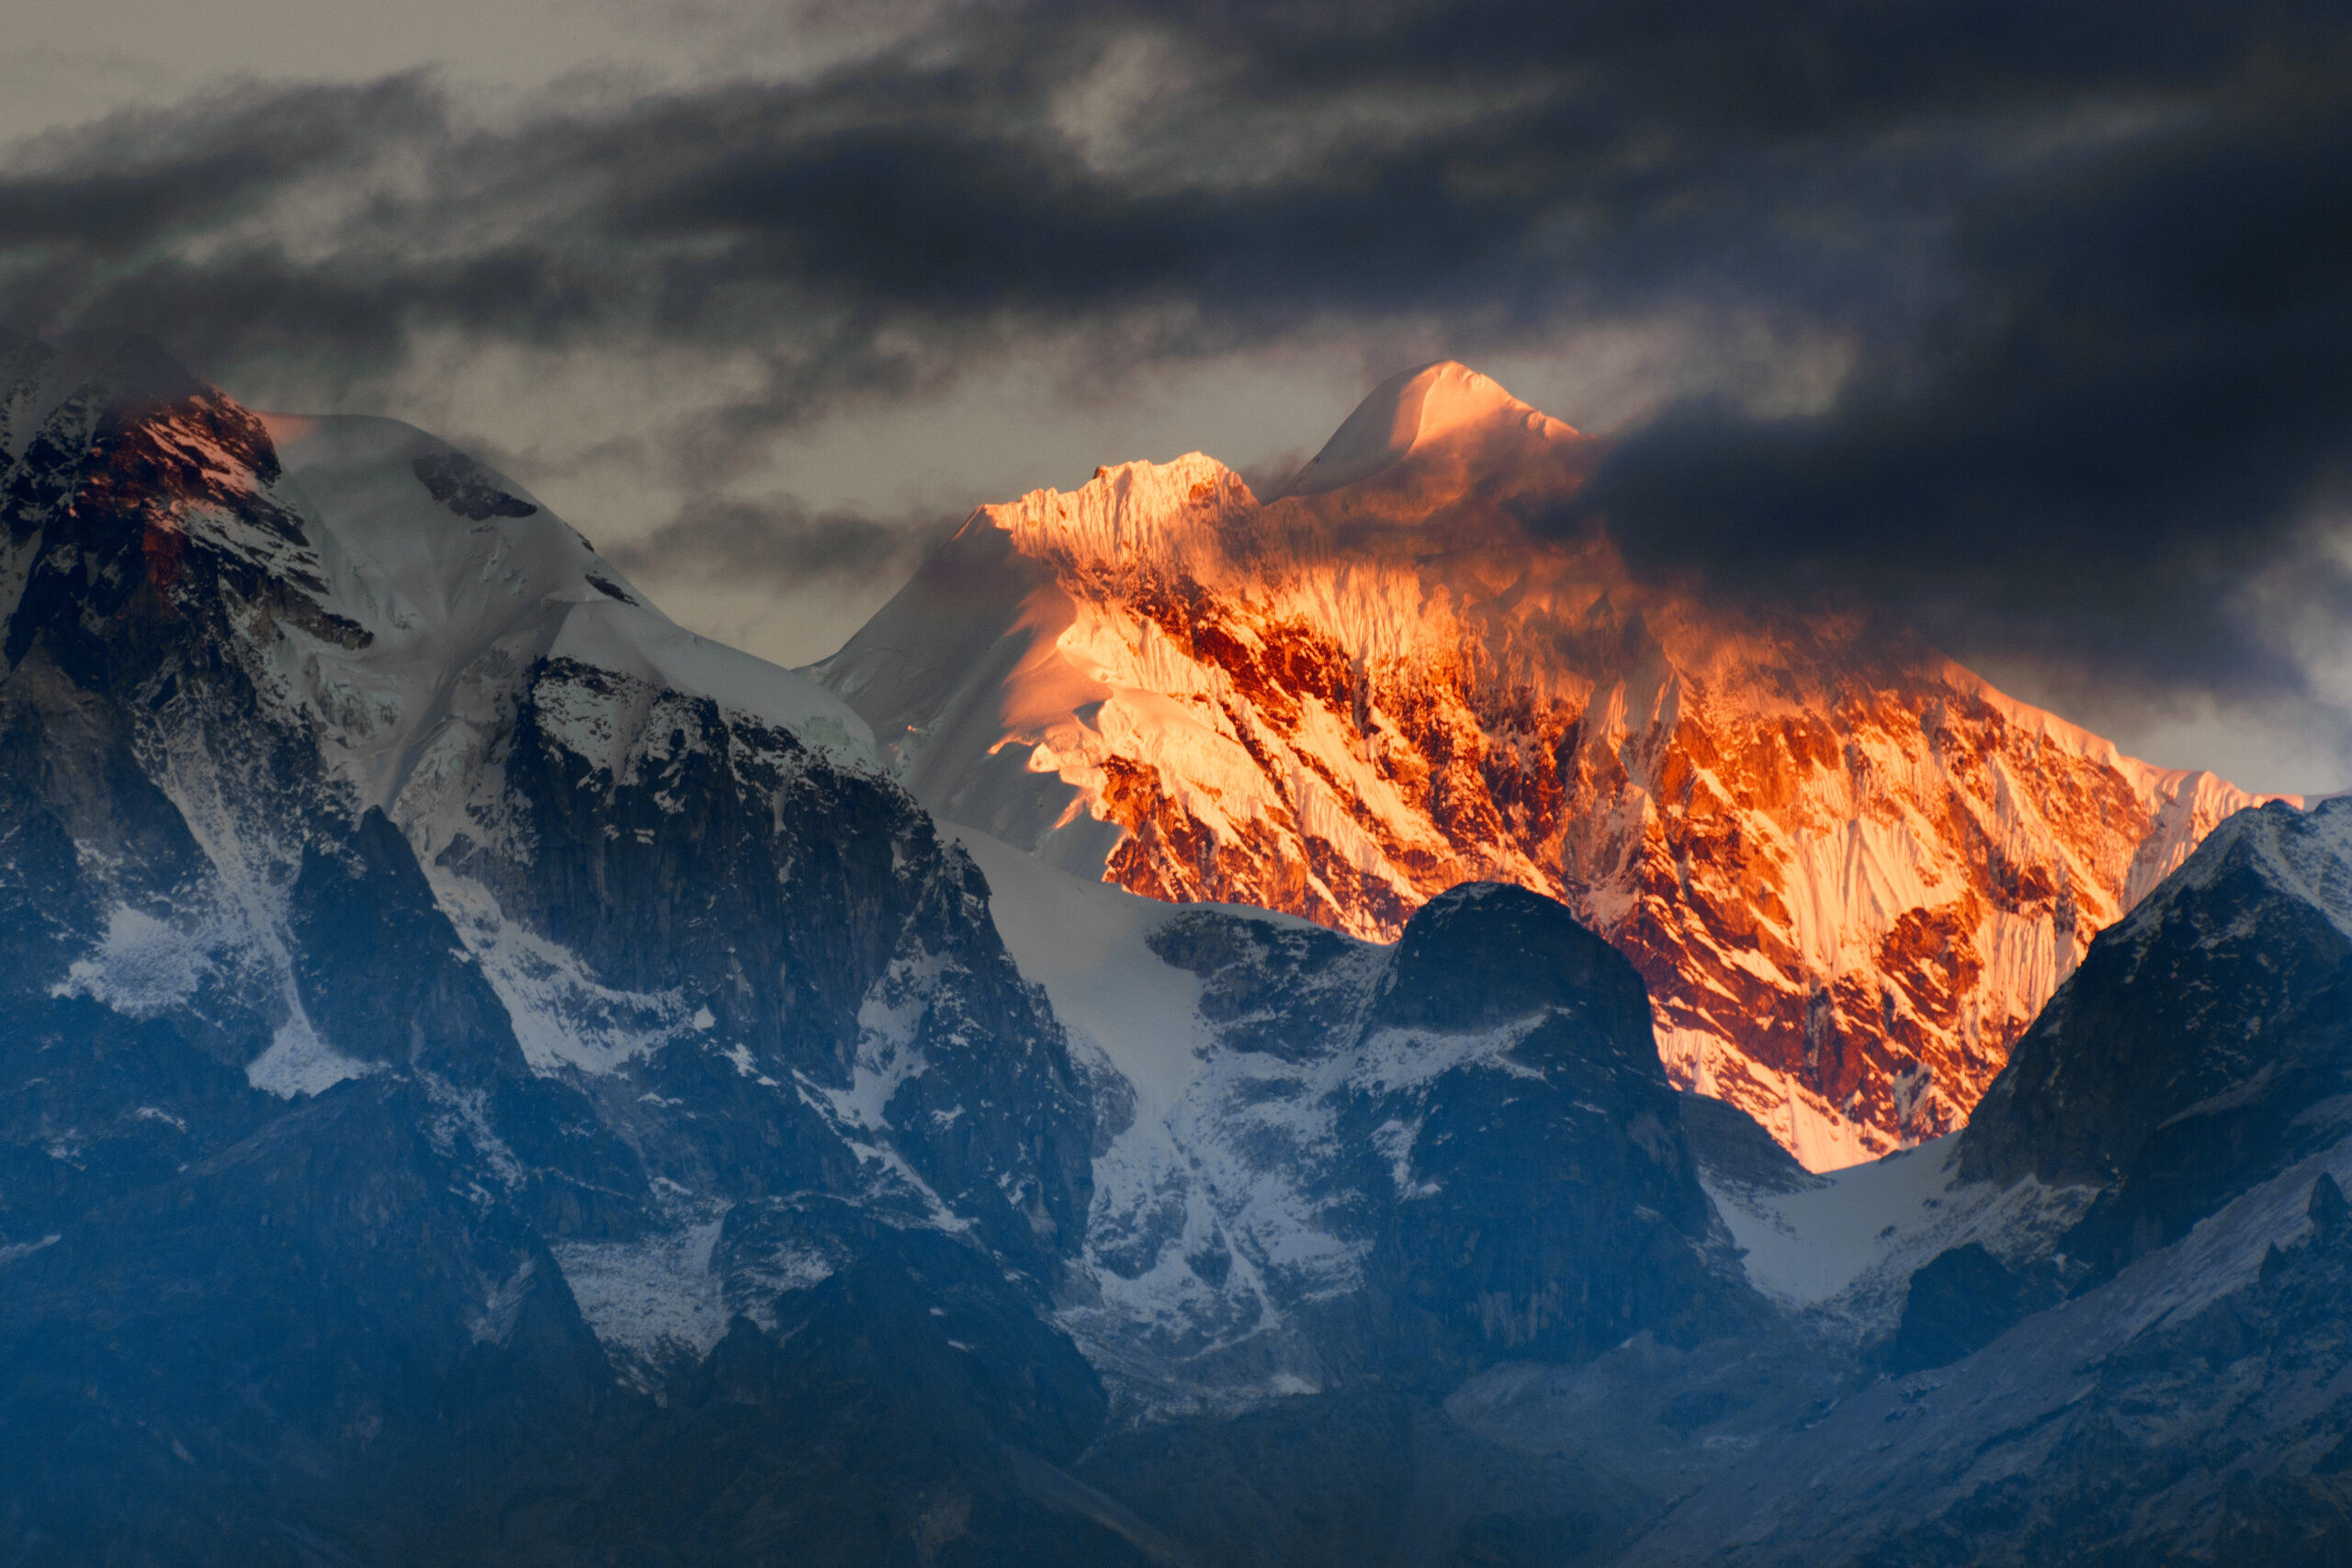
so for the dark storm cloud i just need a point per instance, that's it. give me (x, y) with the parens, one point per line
(933, 219)
(2136, 403)
(1830, 65)
(779, 543)
(905, 192)
(86, 218)
(104, 193)
(2087, 260)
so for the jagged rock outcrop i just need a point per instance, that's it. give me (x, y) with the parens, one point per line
(2162, 1375)
(2204, 1045)
(1409, 1162)
(1850, 872)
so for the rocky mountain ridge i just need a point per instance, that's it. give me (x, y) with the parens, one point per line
(1850, 871)
(492, 1078)
(2152, 1366)
(492, 1075)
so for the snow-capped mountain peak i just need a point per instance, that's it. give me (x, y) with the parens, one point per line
(2302, 856)
(459, 575)
(1850, 871)
(1420, 412)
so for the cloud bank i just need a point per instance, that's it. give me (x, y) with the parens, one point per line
(2081, 272)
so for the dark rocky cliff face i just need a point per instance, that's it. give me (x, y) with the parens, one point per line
(1579, 1154)
(784, 898)
(2204, 1046)
(2219, 1006)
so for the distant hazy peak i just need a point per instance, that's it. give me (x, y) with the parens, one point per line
(1410, 412)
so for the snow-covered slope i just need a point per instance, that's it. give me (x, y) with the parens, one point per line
(1849, 870)
(1843, 1253)
(2192, 1409)
(459, 576)
(472, 600)
(1269, 1117)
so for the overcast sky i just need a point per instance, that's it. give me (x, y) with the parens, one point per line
(2031, 322)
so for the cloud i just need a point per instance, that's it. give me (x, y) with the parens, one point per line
(2129, 421)
(778, 542)
(2083, 268)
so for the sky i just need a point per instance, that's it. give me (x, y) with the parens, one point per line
(2030, 324)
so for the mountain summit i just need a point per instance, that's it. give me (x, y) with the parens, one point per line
(1421, 411)
(1849, 870)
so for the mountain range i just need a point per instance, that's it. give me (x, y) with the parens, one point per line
(494, 1076)
(1849, 871)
